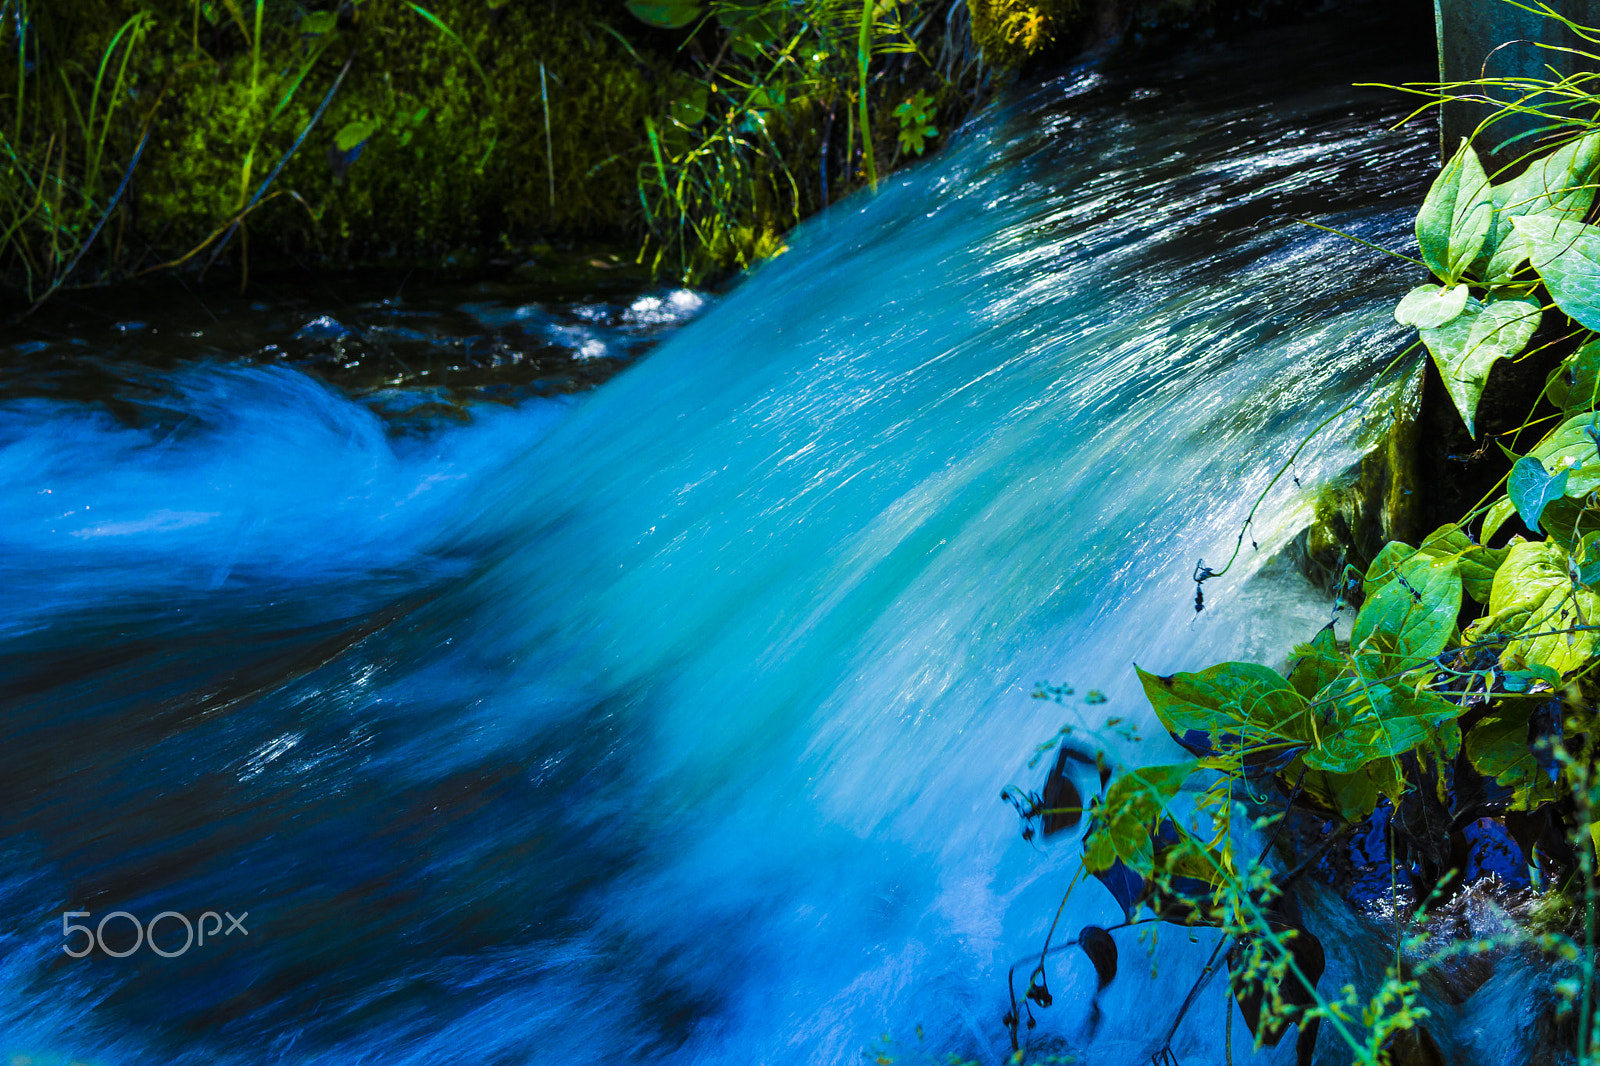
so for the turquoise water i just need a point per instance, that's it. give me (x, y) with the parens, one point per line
(667, 721)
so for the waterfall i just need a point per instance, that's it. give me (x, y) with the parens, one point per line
(668, 722)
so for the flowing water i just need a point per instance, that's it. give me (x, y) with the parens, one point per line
(666, 721)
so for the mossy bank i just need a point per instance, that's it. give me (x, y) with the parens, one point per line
(141, 135)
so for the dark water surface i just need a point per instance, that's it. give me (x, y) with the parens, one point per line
(666, 720)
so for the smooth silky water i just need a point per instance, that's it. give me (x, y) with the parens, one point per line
(667, 721)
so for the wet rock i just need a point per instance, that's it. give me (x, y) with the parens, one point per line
(1373, 502)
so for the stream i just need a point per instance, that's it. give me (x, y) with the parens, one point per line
(633, 676)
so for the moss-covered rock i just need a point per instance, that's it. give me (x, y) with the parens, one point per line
(1009, 32)
(470, 123)
(1374, 502)
(342, 132)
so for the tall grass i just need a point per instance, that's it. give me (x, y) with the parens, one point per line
(73, 133)
(730, 168)
(71, 142)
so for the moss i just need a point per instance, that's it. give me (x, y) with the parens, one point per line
(434, 141)
(1371, 504)
(1009, 32)
(454, 156)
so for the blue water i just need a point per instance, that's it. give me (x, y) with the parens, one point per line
(667, 721)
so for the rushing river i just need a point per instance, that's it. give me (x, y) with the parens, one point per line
(666, 721)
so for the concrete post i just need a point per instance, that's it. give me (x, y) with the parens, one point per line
(1500, 39)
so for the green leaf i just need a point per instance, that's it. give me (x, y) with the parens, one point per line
(1566, 255)
(1556, 636)
(1496, 516)
(1420, 718)
(689, 109)
(1317, 663)
(753, 26)
(1540, 607)
(1122, 823)
(1531, 488)
(319, 22)
(1431, 306)
(1143, 792)
(1477, 563)
(1225, 697)
(1385, 565)
(354, 133)
(1455, 217)
(1341, 708)
(764, 99)
(1363, 720)
(1574, 386)
(1572, 448)
(1531, 571)
(1498, 748)
(1505, 325)
(1535, 679)
(1588, 559)
(665, 14)
(1414, 616)
(1558, 186)
(1465, 347)
(1567, 520)
(1353, 796)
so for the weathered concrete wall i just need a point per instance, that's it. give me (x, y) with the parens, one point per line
(1497, 39)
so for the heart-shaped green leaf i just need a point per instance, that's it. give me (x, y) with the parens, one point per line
(1466, 346)
(1133, 804)
(1566, 255)
(665, 14)
(1531, 488)
(1531, 571)
(1573, 448)
(1588, 559)
(1575, 384)
(1477, 563)
(1498, 748)
(1558, 186)
(1413, 616)
(1547, 615)
(1455, 217)
(1431, 306)
(1364, 719)
(1226, 697)
(1557, 633)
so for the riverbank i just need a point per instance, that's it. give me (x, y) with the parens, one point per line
(687, 137)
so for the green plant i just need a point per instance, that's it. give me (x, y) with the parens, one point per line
(223, 131)
(59, 188)
(728, 163)
(1009, 32)
(916, 117)
(200, 130)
